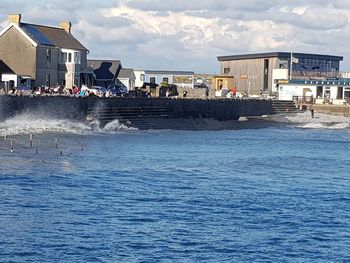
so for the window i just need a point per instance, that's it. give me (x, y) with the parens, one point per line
(283, 64)
(69, 57)
(77, 58)
(48, 80)
(48, 55)
(142, 77)
(23, 82)
(152, 80)
(227, 70)
(64, 57)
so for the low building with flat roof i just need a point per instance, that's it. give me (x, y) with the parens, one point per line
(332, 91)
(184, 79)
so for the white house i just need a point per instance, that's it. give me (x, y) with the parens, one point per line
(335, 91)
(127, 77)
(180, 78)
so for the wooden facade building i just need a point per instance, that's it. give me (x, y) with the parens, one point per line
(253, 73)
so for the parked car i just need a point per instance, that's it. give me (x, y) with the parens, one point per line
(94, 90)
(200, 86)
(97, 90)
(117, 90)
(147, 85)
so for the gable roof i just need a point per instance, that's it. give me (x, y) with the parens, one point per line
(126, 73)
(52, 36)
(105, 69)
(4, 69)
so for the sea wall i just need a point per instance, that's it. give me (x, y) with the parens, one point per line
(77, 108)
(340, 110)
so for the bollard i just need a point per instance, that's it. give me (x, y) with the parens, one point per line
(11, 146)
(31, 140)
(37, 150)
(56, 143)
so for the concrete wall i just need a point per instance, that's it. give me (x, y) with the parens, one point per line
(195, 93)
(340, 110)
(76, 108)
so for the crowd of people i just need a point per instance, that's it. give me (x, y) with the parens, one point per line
(59, 90)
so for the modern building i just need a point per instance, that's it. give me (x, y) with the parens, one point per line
(255, 72)
(183, 79)
(44, 55)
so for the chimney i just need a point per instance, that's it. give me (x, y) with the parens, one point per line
(15, 18)
(66, 26)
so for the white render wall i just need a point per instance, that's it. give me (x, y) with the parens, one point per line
(287, 91)
(138, 81)
(278, 74)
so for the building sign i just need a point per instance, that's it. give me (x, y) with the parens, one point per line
(282, 81)
(243, 76)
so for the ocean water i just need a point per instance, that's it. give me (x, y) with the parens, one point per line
(83, 194)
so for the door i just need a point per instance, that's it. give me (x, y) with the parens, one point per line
(266, 75)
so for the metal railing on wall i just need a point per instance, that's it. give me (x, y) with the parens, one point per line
(304, 99)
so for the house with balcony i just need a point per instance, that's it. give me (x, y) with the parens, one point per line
(44, 55)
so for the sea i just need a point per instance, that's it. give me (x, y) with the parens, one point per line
(74, 192)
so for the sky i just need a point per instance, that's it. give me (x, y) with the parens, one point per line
(189, 35)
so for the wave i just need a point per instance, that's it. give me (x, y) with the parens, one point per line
(332, 126)
(320, 121)
(26, 123)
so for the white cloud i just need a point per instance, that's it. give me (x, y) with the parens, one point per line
(189, 35)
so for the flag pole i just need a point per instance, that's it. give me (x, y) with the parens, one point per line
(291, 66)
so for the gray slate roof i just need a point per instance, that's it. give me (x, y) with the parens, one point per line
(105, 69)
(4, 69)
(126, 73)
(52, 36)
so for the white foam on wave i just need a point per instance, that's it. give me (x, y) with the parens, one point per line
(320, 121)
(116, 126)
(26, 123)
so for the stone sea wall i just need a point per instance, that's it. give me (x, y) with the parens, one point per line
(78, 108)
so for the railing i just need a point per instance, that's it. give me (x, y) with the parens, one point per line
(304, 99)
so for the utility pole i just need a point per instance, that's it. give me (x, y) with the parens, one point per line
(291, 65)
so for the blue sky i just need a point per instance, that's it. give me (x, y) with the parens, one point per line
(189, 35)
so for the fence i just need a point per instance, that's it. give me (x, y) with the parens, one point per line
(304, 99)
